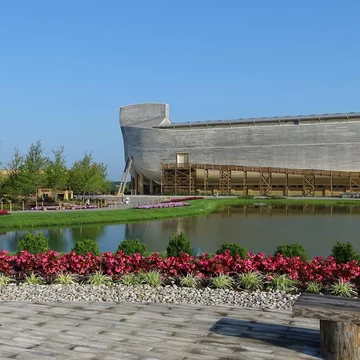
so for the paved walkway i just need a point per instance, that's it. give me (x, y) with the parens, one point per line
(111, 331)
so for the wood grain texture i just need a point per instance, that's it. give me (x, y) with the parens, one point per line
(330, 308)
(339, 341)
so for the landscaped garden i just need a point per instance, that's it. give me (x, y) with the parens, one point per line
(232, 267)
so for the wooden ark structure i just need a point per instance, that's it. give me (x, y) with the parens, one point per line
(315, 155)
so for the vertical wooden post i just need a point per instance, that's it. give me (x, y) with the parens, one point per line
(331, 184)
(206, 180)
(245, 184)
(286, 183)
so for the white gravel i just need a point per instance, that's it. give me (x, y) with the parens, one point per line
(171, 294)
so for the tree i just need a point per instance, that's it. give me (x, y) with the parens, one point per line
(13, 184)
(56, 173)
(87, 176)
(32, 171)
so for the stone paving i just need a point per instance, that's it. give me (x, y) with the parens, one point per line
(147, 331)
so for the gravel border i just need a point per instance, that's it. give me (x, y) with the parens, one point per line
(170, 294)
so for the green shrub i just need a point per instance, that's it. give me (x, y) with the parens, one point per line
(82, 247)
(344, 252)
(178, 244)
(34, 244)
(130, 247)
(291, 251)
(234, 249)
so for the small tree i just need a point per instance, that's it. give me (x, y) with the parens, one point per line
(34, 244)
(130, 247)
(178, 244)
(234, 249)
(82, 247)
(344, 252)
(291, 250)
(56, 173)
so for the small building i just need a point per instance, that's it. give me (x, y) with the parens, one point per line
(46, 193)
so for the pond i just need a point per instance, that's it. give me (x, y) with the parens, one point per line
(258, 229)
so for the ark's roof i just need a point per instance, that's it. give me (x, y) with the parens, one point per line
(296, 120)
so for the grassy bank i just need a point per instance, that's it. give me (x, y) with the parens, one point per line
(198, 207)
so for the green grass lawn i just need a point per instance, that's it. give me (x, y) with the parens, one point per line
(30, 220)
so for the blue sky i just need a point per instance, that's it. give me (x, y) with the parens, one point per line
(66, 67)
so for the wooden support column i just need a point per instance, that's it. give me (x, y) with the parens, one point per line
(136, 183)
(309, 184)
(132, 185)
(151, 187)
(225, 181)
(206, 180)
(331, 184)
(245, 185)
(339, 340)
(141, 184)
(286, 183)
(265, 184)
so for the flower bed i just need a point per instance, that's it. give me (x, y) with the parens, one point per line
(66, 207)
(4, 212)
(51, 264)
(163, 205)
(187, 198)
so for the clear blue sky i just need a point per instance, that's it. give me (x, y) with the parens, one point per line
(67, 66)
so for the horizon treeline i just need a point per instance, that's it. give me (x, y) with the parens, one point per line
(25, 173)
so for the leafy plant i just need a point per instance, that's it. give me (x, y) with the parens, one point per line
(32, 279)
(234, 249)
(291, 251)
(82, 247)
(343, 288)
(130, 247)
(34, 244)
(282, 283)
(152, 278)
(314, 287)
(252, 281)
(131, 279)
(190, 280)
(65, 279)
(222, 281)
(4, 280)
(98, 278)
(178, 244)
(344, 252)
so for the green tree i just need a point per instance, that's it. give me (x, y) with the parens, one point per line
(56, 173)
(32, 171)
(87, 176)
(13, 183)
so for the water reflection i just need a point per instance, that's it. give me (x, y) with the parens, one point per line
(258, 228)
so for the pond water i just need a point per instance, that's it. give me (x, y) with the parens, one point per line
(258, 229)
